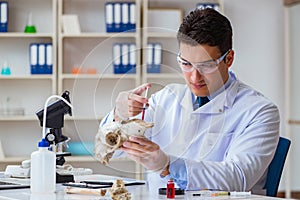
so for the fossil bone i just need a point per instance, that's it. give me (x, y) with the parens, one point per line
(111, 136)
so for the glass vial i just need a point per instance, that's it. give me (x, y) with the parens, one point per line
(170, 189)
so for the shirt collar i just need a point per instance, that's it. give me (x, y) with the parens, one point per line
(231, 78)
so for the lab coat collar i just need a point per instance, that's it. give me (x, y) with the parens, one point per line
(218, 104)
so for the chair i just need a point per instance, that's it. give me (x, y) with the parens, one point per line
(276, 167)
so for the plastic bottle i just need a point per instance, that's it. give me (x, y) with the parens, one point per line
(43, 170)
(170, 189)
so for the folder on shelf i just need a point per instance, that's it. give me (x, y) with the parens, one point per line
(154, 51)
(49, 59)
(41, 58)
(215, 6)
(125, 17)
(33, 54)
(132, 17)
(117, 17)
(120, 16)
(125, 58)
(3, 16)
(132, 59)
(109, 17)
(117, 58)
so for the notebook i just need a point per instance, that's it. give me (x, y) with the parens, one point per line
(14, 183)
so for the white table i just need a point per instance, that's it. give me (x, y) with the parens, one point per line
(138, 192)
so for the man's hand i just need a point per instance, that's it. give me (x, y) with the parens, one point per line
(145, 152)
(130, 103)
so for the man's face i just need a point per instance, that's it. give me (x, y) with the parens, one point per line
(208, 83)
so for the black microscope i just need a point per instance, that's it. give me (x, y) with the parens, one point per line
(55, 122)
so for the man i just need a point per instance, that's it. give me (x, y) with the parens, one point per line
(226, 144)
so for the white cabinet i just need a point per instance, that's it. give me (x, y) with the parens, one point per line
(20, 132)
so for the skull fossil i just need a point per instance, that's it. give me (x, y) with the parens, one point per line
(111, 136)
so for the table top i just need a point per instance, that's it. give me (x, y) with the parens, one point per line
(138, 192)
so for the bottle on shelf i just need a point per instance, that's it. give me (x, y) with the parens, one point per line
(30, 28)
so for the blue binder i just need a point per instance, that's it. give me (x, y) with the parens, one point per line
(33, 58)
(41, 58)
(125, 17)
(109, 13)
(125, 58)
(3, 16)
(117, 58)
(215, 6)
(117, 17)
(120, 16)
(132, 59)
(154, 51)
(132, 17)
(49, 59)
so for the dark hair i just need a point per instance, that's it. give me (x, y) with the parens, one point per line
(206, 26)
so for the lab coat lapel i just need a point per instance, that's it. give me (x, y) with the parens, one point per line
(224, 100)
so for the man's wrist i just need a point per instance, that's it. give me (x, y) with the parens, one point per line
(165, 171)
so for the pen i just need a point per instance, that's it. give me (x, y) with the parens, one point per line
(86, 185)
(144, 106)
(223, 193)
(97, 182)
(111, 183)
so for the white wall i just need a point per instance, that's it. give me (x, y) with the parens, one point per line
(294, 14)
(259, 54)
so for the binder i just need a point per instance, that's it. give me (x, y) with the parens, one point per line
(125, 58)
(117, 58)
(125, 17)
(33, 60)
(132, 59)
(41, 58)
(154, 51)
(149, 59)
(3, 16)
(120, 16)
(109, 17)
(157, 58)
(49, 59)
(117, 17)
(132, 17)
(208, 5)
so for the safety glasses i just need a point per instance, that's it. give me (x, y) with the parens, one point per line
(203, 67)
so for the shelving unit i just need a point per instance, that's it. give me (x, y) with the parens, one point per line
(92, 95)
(19, 133)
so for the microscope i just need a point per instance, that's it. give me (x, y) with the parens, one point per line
(55, 123)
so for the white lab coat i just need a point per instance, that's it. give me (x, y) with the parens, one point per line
(226, 144)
